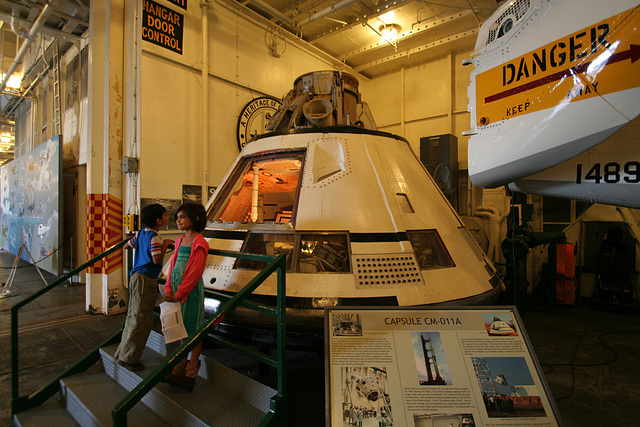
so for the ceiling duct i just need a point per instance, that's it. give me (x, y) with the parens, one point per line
(327, 11)
(273, 12)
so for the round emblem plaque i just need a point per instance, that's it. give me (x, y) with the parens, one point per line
(254, 118)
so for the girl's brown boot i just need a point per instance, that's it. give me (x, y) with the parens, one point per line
(191, 373)
(175, 377)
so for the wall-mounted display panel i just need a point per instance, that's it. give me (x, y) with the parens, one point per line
(30, 213)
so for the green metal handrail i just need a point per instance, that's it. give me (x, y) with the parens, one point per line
(277, 413)
(278, 403)
(20, 403)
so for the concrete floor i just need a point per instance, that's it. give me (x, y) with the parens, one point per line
(589, 358)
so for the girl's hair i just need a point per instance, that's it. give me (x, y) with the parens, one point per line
(196, 214)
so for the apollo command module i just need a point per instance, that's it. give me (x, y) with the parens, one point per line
(360, 219)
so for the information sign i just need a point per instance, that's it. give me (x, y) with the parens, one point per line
(419, 368)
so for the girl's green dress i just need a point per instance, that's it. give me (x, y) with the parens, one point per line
(193, 307)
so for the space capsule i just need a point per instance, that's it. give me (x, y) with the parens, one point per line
(359, 217)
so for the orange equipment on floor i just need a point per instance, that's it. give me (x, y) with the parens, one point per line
(566, 285)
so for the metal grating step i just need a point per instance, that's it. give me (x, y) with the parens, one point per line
(51, 413)
(91, 397)
(221, 397)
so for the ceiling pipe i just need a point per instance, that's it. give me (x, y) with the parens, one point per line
(327, 11)
(25, 94)
(273, 12)
(15, 25)
(39, 22)
(58, 14)
(71, 38)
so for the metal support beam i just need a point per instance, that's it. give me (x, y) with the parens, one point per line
(72, 38)
(412, 33)
(400, 55)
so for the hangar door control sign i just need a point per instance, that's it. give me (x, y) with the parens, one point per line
(162, 26)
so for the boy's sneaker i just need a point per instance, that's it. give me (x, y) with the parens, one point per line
(133, 367)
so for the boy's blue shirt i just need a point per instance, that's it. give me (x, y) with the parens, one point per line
(147, 242)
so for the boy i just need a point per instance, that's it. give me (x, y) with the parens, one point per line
(143, 286)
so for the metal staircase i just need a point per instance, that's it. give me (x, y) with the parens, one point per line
(221, 397)
(96, 391)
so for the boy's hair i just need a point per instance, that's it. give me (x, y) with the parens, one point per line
(196, 214)
(151, 214)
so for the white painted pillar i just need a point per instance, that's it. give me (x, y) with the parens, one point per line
(105, 285)
(204, 7)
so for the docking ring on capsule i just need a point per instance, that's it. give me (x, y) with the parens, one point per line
(318, 112)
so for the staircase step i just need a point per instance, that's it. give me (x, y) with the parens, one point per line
(90, 399)
(221, 396)
(51, 413)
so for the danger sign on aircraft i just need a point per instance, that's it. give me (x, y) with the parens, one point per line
(593, 61)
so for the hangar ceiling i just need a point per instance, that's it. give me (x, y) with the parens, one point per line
(66, 20)
(351, 30)
(348, 30)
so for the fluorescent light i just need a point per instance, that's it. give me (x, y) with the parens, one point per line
(14, 81)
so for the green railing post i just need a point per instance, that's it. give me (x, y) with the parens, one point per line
(19, 403)
(282, 325)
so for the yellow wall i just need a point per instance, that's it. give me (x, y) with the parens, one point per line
(435, 101)
(241, 68)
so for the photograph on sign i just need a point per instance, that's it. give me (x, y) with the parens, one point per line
(430, 358)
(507, 387)
(365, 395)
(346, 325)
(443, 420)
(499, 324)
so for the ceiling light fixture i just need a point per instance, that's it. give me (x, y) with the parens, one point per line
(389, 34)
(14, 81)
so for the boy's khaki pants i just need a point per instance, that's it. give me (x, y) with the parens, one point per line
(142, 299)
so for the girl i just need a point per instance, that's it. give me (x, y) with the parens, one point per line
(184, 284)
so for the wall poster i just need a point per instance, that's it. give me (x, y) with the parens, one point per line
(171, 205)
(30, 212)
(430, 368)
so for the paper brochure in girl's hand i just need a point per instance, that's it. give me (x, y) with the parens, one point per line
(171, 319)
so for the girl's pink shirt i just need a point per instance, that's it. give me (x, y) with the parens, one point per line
(194, 269)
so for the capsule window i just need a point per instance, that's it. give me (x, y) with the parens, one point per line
(266, 244)
(261, 189)
(321, 252)
(430, 251)
(505, 27)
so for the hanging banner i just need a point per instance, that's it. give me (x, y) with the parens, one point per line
(162, 26)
